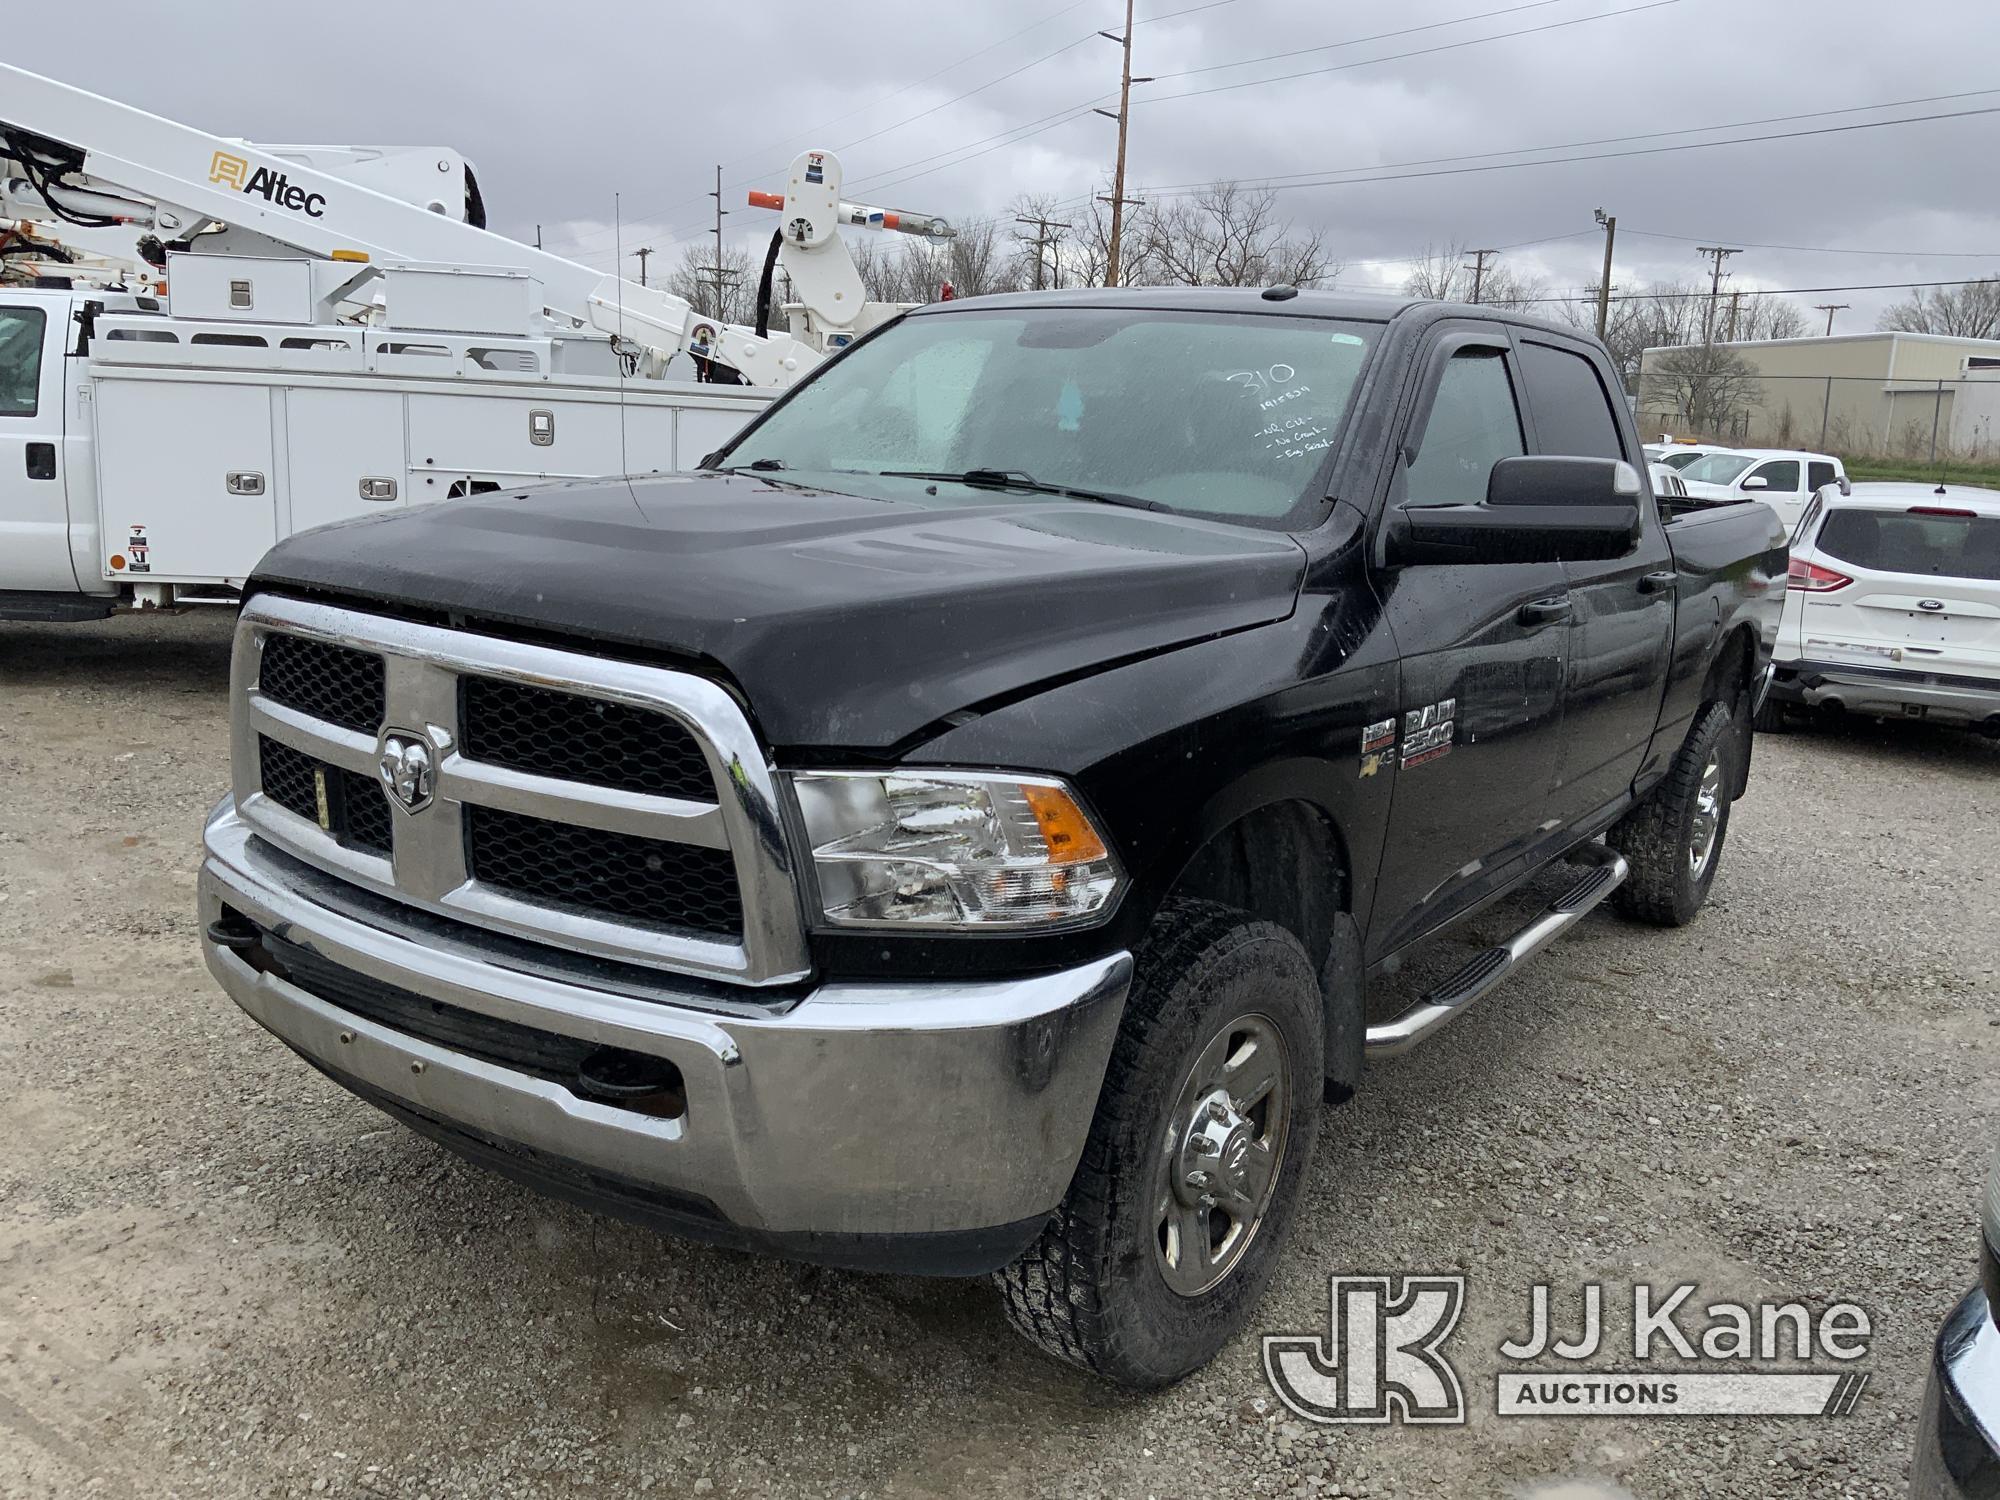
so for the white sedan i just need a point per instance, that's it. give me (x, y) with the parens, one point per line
(1893, 607)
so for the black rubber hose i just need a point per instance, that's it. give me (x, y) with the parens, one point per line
(764, 283)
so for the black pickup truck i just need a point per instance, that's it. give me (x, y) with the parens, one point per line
(956, 831)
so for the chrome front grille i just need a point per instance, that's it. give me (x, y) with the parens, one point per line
(609, 808)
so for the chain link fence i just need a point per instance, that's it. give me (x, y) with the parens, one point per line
(1857, 417)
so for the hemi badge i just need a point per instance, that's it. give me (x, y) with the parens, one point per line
(319, 798)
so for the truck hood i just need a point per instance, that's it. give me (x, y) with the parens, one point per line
(845, 621)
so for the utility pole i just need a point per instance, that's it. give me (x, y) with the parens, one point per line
(1718, 253)
(718, 273)
(1042, 238)
(642, 252)
(538, 236)
(1118, 199)
(1735, 305)
(1830, 308)
(1610, 224)
(1478, 269)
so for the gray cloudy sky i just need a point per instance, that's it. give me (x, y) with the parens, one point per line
(561, 105)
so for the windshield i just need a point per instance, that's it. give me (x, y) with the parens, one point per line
(1716, 468)
(1210, 414)
(1681, 459)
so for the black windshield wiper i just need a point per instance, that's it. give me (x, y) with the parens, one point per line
(1014, 479)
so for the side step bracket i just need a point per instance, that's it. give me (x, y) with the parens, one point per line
(1604, 871)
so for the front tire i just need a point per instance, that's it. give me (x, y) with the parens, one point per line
(1673, 840)
(1772, 718)
(1192, 1170)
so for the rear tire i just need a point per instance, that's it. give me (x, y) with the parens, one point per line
(1673, 840)
(1217, 1075)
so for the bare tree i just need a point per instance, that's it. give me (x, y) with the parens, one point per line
(1667, 314)
(1443, 274)
(975, 261)
(1229, 235)
(694, 279)
(1706, 387)
(1038, 258)
(1971, 311)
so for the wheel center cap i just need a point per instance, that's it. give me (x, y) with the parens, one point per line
(1215, 1150)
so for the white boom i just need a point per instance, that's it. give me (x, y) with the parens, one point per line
(69, 154)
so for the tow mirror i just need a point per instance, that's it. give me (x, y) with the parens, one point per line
(1536, 510)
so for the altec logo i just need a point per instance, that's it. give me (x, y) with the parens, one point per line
(274, 187)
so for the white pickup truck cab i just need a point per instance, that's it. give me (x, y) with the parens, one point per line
(1893, 607)
(149, 460)
(1783, 478)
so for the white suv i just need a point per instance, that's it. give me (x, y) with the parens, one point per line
(1783, 478)
(1893, 607)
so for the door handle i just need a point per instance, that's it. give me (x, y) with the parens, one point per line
(1544, 611)
(41, 460)
(1658, 583)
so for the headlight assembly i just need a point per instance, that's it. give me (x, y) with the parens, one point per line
(953, 850)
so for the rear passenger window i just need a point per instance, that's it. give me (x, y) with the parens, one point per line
(1781, 475)
(1819, 476)
(20, 360)
(1473, 424)
(1573, 413)
(1941, 546)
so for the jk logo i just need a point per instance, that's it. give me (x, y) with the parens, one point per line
(1379, 1361)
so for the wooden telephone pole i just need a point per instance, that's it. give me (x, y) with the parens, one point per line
(1717, 253)
(1478, 270)
(1043, 239)
(1610, 223)
(1118, 200)
(1830, 308)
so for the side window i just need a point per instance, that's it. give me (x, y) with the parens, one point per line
(20, 360)
(1574, 416)
(1781, 474)
(1474, 423)
(1819, 475)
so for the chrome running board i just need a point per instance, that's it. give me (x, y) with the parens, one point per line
(1606, 871)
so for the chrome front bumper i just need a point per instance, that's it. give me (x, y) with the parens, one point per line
(906, 1125)
(1958, 1437)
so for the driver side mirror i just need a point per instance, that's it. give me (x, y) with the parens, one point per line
(1536, 510)
(1756, 482)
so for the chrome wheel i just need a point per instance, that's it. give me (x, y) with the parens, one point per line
(1707, 821)
(1224, 1144)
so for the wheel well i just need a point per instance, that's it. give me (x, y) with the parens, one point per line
(1730, 681)
(1284, 863)
(1729, 676)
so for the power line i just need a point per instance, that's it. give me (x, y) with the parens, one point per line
(1613, 140)
(1060, 117)
(1380, 36)
(1654, 234)
(661, 213)
(1553, 161)
(1500, 36)
(1769, 291)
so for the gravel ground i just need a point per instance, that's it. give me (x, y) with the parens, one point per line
(219, 1275)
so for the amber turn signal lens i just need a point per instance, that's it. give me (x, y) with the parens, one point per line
(1070, 837)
